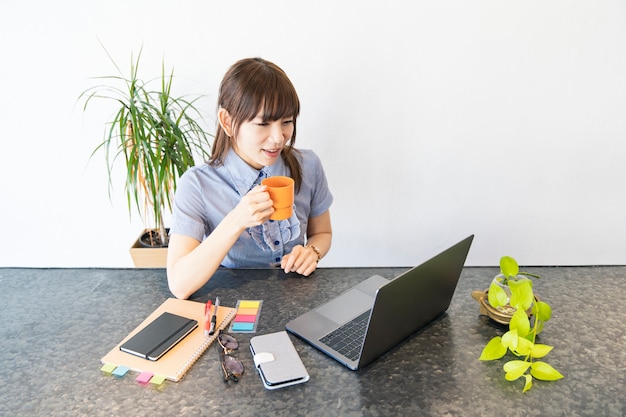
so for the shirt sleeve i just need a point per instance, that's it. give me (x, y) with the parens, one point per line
(321, 197)
(188, 208)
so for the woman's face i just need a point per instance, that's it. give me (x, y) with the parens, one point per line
(260, 143)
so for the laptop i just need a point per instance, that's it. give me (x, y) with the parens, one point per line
(374, 316)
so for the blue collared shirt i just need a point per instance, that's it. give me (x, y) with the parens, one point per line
(205, 194)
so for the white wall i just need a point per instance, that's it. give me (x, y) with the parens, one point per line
(434, 119)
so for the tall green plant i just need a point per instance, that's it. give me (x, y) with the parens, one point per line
(157, 134)
(520, 340)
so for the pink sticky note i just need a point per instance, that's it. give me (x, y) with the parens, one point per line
(144, 377)
(243, 318)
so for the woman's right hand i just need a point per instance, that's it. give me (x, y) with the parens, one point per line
(190, 264)
(255, 208)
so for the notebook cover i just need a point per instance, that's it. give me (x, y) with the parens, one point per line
(175, 363)
(158, 337)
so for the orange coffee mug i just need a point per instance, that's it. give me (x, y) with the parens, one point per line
(281, 193)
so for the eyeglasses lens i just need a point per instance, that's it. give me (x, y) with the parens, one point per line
(228, 342)
(232, 367)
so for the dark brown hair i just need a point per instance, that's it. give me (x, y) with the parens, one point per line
(250, 85)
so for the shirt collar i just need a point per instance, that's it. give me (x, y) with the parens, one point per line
(244, 177)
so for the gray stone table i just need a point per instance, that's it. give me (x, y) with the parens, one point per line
(56, 324)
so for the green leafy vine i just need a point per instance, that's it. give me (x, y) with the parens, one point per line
(520, 340)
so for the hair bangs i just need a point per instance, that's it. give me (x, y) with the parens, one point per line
(280, 103)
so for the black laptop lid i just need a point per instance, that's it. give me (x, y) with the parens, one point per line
(412, 300)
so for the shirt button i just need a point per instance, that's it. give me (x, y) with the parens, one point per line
(277, 259)
(276, 242)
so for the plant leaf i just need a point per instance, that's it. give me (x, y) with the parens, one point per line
(509, 266)
(496, 296)
(520, 322)
(524, 346)
(493, 350)
(521, 294)
(539, 350)
(514, 369)
(544, 311)
(529, 383)
(545, 372)
(510, 339)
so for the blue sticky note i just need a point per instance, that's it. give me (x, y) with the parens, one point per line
(241, 326)
(120, 371)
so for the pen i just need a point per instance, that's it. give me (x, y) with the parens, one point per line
(214, 318)
(207, 311)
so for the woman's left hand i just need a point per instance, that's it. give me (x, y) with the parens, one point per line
(301, 260)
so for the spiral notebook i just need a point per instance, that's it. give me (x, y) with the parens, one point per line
(176, 362)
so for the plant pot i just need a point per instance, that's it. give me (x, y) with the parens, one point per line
(499, 281)
(148, 256)
(501, 315)
(151, 238)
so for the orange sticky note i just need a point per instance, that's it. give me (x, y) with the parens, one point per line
(247, 311)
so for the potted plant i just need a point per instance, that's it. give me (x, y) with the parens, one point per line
(158, 137)
(499, 290)
(527, 321)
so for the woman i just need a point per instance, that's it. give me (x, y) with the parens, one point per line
(221, 212)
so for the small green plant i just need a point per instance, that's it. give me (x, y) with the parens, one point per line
(521, 337)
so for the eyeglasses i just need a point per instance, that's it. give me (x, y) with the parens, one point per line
(232, 367)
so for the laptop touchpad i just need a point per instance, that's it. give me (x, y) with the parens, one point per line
(347, 306)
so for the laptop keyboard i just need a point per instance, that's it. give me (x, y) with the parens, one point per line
(348, 338)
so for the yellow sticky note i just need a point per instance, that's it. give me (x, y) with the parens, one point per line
(108, 368)
(157, 380)
(249, 304)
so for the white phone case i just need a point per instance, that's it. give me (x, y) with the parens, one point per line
(277, 360)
